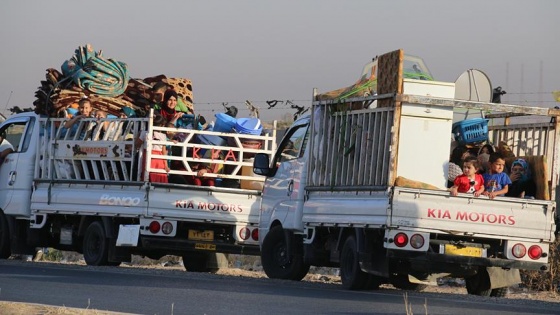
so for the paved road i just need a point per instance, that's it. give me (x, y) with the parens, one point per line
(176, 292)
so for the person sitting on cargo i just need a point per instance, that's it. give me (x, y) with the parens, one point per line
(157, 149)
(522, 185)
(170, 113)
(455, 162)
(496, 182)
(469, 181)
(158, 92)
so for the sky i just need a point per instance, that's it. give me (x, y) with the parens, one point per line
(258, 50)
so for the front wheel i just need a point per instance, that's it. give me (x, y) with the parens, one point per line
(5, 251)
(96, 245)
(277, 262)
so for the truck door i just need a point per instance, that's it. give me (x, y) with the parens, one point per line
(282, 190)
(16, 172)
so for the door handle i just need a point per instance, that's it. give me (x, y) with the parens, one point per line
(290, 187)
(12, 178)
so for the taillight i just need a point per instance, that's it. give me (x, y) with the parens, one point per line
(519, 250)
(535, 252)
(154, 227)
(244, 233)
(401, 240)
(417, 241)
(167, 228)
(255, 234)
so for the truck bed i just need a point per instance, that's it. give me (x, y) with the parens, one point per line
(433, 210)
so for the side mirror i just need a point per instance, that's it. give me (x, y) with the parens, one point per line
(261, 165)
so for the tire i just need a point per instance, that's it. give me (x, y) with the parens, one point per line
(205, 262)
(96, 245)
(401, 281)
(373, 282)
(352, 276)
(479, 284)
(277, 262)
(499, 292)
(5, 251)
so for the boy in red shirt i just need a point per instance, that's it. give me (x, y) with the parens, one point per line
(470, 181)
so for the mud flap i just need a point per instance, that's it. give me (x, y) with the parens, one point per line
(501, 278)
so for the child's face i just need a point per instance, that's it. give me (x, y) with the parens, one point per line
(469, 169)
(498, 166)
(85, 109)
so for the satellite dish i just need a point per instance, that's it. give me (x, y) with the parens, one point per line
(473, 85)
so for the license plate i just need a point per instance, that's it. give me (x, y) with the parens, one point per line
(463, 250)
(205, 246)
(207, 235)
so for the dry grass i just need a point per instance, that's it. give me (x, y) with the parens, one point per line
(15, 308)
(545, 281)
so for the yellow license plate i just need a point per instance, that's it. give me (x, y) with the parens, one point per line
(205, 246)
(207, 235)
(463, 250)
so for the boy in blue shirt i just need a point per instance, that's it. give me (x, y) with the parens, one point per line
(496, 182)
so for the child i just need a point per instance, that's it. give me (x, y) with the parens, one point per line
(157, 149)
(495, 180)
(470, 181)
(522, 186)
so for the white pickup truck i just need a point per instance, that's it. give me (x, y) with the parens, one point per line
(87, 190)
(361, 184)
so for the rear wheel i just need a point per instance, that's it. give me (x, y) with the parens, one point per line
(277, 262)
(400, 281)
(352, 276)
(205, 262)
(499, 292)
(479, 284)
(5, 251)
(95, 245)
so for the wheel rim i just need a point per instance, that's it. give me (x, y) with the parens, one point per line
(347, 264)
(93, 246)
(281, 255)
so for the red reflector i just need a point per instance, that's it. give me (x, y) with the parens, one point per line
(244, 233)
(401, 240)
(154, 227)
(535, 252)
(255, 234)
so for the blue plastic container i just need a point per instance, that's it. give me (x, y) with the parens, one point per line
(224, 123)
(251, 126)
(470, 130)
(211, 140)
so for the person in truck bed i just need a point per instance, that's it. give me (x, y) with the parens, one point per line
(495, 180)
(470, 181)
(522, 185)
(157, 149)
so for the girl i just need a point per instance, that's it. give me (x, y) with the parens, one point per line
(157, 149)
(470, 181)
